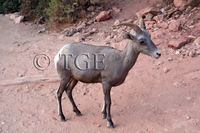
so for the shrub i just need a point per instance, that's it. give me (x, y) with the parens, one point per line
(9, 6)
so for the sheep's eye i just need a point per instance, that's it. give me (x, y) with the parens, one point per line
(142, 42)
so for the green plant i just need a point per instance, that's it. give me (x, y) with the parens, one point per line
(9, 6)
(59, 11)
(41, 6)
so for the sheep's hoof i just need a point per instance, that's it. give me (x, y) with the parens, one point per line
(104, 116)
(63, 120)
(111, 126)
(78, 114)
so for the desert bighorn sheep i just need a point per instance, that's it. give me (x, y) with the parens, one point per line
(79, 62)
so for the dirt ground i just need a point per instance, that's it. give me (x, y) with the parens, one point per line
(150, 100)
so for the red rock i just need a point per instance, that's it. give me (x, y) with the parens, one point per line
(174, 25)
(176, 44)
(104, 15)
(147, 10)
(182, 3)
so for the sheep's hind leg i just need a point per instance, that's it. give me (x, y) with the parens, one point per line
(60, 91)
(68, 90)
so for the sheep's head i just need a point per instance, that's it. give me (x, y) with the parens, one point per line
(144, 44)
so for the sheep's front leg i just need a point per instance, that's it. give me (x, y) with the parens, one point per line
(107, 100)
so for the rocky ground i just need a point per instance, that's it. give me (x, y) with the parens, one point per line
(158, 95)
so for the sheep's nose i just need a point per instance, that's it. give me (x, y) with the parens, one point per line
(159, 54)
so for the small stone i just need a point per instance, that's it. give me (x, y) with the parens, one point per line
(91, 8)
(177, 52)
(71, 32)
(98, 125)
(41, 31)
(163, 10)
(191, 26)
(165, 70)
(191, 54)
(159, 63)
(188, 117)
(117, 22)
(188, 98)
(177, 83)
(3, 122)
(90, 22)
(192, 37)
(149, 16)
(197, 41)
(158, 18)
(116, 10)
(163, 25)
(170, 59)
(198, 52)
(94, 30)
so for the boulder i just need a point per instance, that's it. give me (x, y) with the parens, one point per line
(181, 4)
(12, 16)
(104, 15)
(19, 19)
(174, 25)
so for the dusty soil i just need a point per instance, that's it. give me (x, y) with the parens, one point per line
(150, 100)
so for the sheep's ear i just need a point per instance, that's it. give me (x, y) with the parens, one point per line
(129, 36)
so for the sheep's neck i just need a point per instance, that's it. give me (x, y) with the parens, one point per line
(130, 55)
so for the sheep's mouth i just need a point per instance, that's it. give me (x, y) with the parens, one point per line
(155, 57)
